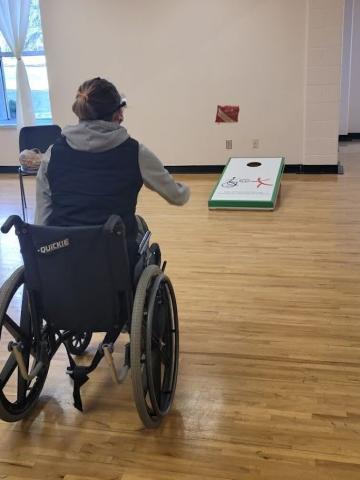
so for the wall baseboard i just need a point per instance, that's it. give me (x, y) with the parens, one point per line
(349, 137)
(298, 168)
(321, 169)
(9, 169)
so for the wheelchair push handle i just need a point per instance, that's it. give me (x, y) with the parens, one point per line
(13, 220)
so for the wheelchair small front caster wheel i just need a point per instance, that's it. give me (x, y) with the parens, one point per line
(78, 343)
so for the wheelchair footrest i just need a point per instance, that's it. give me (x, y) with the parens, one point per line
(118, 377)
(80, 373)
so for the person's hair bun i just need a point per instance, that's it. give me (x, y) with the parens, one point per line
(96, 99)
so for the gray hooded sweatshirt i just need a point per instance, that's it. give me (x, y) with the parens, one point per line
(99, 136)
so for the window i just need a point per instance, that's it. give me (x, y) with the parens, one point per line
(35, 62)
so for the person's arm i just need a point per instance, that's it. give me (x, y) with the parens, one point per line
(43, 194)
(157, 178)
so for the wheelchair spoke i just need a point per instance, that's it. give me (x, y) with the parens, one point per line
(14, 329)
(165, 358)
(22, 384)
(156, 341)
(22, 388)
(159, 344)
(7, 370)
(144, 381)
(156, 371)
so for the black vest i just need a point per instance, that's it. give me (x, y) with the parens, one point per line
(86, 188)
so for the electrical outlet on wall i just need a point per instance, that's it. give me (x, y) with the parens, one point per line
(255, 143)
(228, 144)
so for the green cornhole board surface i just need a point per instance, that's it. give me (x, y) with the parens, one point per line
(248, 184)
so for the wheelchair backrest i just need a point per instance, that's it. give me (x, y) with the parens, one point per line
(79, 276)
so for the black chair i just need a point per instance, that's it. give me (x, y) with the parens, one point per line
(77, 280)
(40, 137)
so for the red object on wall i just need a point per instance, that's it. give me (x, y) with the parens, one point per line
(227, 113)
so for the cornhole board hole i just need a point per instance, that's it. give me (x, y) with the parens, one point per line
(248, 184)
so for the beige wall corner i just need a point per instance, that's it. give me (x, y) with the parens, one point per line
(323, 44)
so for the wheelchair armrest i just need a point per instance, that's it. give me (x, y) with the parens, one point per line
(13, 220)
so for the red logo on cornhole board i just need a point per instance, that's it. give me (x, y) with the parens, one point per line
(227, 113)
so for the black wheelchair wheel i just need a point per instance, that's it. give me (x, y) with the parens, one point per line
(78, 343)
(154, 346)
(162, 345)
(17, 396)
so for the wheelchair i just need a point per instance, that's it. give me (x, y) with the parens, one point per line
(76, 281)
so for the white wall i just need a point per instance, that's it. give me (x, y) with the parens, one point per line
(346, 67)
(177, 60)
(350, 81)
(354, 94)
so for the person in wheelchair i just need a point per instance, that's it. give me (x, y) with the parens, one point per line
(96, 169)
(79, 257)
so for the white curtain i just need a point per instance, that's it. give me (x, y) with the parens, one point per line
(14, 21)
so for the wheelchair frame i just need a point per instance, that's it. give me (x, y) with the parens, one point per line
(152, 353)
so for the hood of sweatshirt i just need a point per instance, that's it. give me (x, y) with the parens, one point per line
(95, 135)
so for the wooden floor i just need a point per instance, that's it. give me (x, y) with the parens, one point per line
(269, 384)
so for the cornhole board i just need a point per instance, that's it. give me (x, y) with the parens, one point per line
(248, 184)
